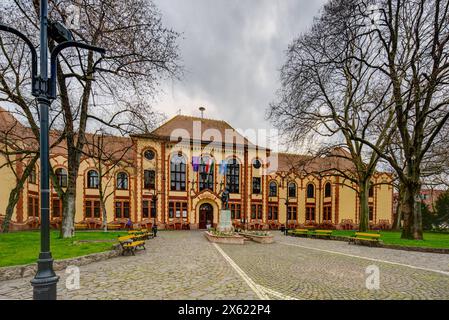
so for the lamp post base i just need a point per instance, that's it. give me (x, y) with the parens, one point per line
(45, 281)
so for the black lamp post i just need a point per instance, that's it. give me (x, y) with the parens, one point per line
(286, 210)
(44, 89)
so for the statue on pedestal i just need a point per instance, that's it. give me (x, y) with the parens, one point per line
(225, 223)
(225, 199)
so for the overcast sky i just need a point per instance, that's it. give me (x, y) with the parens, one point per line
(232, 51)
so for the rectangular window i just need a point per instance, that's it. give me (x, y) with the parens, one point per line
(327, 213)
(92, 209)
(171, 210)
(56, 211)
(273, 212)
(310, 213)
(145, 209)
(256, 185)
(122, 210)
(118, 210)
(292, 212)
(256, 211)
(153, 209)
(233, 176)
(33, 207)
(32, 178)
(371, 213)
(149, 179)
(148, 209)
(206, 174)
(126, 213)
(235, 211)
(178, 176)
(177, 209)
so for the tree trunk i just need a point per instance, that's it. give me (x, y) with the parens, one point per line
(104, 213)
(364, 207)
(68, 213)
(15, 193)
(69, 198)
(399, 210)
(13, 199)
(412, 212)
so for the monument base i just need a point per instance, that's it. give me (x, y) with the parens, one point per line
(225, 223)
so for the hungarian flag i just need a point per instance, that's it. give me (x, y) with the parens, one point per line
(209, 166)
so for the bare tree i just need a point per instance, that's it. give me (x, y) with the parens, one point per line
(327, 92)
(413, 39)
(140, 53)
(110, 155)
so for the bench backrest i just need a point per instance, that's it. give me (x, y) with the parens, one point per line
(323, 231)
(367, 235)
(125, 238)
(301, 230)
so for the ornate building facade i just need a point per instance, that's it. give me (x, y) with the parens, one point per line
(175, 175)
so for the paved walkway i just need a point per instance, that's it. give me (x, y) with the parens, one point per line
(184, 265)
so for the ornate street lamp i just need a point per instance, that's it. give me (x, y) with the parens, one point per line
(44, 89)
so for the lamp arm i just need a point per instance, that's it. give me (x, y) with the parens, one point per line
(54, 55)
(34, 88)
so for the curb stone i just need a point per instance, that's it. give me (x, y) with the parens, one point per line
(29, 270)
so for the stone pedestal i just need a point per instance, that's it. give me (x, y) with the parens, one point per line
(225, 223)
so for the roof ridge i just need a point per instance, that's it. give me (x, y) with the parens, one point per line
(189, 117)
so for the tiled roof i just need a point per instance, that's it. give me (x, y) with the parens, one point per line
(335, 160)
(17, 133)
(338, 158)
(195, 128)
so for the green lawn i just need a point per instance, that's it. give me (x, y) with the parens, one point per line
(23, 247)
(431, 239)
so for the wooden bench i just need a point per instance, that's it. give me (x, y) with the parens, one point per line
(371, 238)
(142, 234)
(321, 234)
(130, 244)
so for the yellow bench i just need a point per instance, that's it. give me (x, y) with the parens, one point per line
(322, 233)
(300, 232)
(144, 234)
(130, 244)
(372, 238)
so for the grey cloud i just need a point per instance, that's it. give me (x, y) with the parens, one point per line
(232, 51)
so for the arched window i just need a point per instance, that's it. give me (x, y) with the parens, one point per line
(233, 176)
(178, 173)
(122, 181)
(61, 177)
(206, 173)
(310, 191)
(327, 190)
(92, 179)
(292, 190)
(273, 192)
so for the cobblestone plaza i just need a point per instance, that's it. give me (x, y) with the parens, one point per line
(184, 265)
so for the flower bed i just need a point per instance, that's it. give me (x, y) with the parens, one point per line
(221, 237)
(259, 236)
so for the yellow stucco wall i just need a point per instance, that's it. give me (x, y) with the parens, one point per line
(343, 198)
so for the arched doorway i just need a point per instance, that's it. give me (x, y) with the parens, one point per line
(206, 215)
